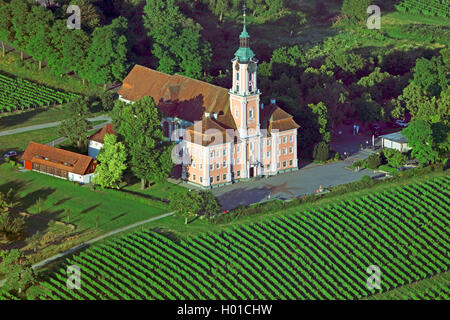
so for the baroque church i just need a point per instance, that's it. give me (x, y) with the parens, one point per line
(226, 135)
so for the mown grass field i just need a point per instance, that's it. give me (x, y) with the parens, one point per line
(57, 195)
(321, 253)
(92, 212)
(19, 141)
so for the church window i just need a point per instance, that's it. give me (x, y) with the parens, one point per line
(250, 113)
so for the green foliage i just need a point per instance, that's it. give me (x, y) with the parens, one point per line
(394, 157)
(321, 151)
(177, 42)
(106, 59)
(21, 94)
(76, 127)
(187, 203)
(368, 110)
(20, 277)
(374, 161)
(428, 7)
(347, 62)
(419, 135)
(108, 99)
(323, 121)
(91, 16)
(366, 179)
(10, 227)
(20, 15)
(356, 10)
(139, 125)
(431, 76)
(112, 158)
(38, 26)
(6, 27)
(209, 204)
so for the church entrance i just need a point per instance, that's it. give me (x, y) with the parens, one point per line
(252, 172)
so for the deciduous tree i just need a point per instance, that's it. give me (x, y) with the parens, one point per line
(112, 158)
(140, 126)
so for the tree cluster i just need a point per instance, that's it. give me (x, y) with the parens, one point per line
(139, 128)
(177, 41)
(99, 56)
(191, 203)
(11, 227)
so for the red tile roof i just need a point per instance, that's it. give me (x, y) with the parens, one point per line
(189, 99)
(177, 95)
(273, 117)
(57, 158)
(99, 136)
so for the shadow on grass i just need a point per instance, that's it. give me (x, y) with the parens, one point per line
(118, 216)
(90, 208)
(32, 198)
(168, 234)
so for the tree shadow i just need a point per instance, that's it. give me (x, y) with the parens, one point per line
(90, 208)
(31, 198)
(118, 216)
(15, 185)
(169, 234)
(242, 197)
(61, 201)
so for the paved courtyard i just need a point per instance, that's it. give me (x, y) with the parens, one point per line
(289, 185)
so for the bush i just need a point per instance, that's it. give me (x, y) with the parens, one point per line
(374, 161)
(321, 151)
(394, 158)
(360, 163)
(356, 10)
(108, 98)
(366, 180)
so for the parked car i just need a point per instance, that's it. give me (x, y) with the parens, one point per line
(401, 123)
(10, 154)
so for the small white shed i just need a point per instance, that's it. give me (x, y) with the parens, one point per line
(395, 141)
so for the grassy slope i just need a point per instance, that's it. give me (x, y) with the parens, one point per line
(115, 209)
(22, 119)
(19, 141)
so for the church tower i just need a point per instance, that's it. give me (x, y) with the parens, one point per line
(244, 93)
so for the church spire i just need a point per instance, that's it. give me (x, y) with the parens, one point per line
(244, 53)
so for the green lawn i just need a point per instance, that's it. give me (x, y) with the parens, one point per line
(161, 190)
(19, 141)
(37, 116)
(20, 119)
(115, 209)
